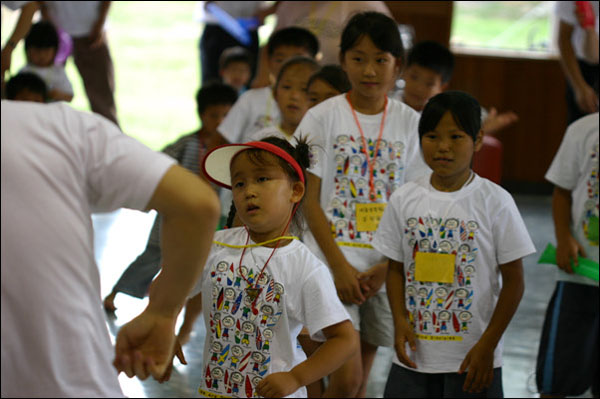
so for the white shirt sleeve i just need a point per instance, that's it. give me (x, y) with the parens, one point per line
(122, 172)
(61, 81)
(321, 306)
(563, 172)
(388, 237)
(511, 239)
(313, 128)
(237, 119)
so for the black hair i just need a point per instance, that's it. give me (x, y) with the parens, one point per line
(42, 34)
(432, 55)
(299, 60)
(381, 29)
(293, 36)
(26, 81)
(300, 152)
(235, 54)
(333, 75)
(463, 107)
(215, 93)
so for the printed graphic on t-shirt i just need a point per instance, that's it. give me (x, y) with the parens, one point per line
(352, 185)
(442, 311)
(590, 211)
(241, 330)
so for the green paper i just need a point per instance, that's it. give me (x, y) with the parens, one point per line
(592, 233)
(587, 267)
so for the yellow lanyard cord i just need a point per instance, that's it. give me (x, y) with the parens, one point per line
(260, 244)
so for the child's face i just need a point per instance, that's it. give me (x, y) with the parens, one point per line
(282, 54)
(371, 71)
(213, 115)
(28, 95)
(41, 56)
(236, 74)
(448, 150)
(420, 85)
(263, 194)
(291, 95)
(319, 91)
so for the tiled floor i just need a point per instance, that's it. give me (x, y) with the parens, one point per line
(121, 235)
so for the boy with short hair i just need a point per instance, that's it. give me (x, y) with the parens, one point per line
(570, 333)
(214, 102)
(41, 44)
(428, 71)
(256, 108)
(235, 68)
(26, 86)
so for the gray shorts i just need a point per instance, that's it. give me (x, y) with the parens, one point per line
(374, 320)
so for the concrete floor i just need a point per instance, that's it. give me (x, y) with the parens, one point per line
(121, 236)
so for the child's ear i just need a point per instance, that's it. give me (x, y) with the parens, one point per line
(298, 190)
(478, 141)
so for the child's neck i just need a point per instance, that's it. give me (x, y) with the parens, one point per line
(451, 183)
(288, 128)
(366, 105)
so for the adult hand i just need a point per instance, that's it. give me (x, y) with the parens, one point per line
(278, 385)
(372, 279)
(347, 284)
(587, 99)
(403, 335)
(567, 251)
(479, 365)
(145, 345)
(494, 122)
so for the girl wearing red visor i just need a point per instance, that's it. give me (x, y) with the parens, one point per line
(261, 284)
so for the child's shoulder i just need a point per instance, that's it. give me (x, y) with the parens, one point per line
(256, 94)
(231, 236)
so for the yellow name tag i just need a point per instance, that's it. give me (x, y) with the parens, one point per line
(434, 267)
(368, 216)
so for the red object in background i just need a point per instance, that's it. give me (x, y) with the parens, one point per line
(487, 162)
(585, 9)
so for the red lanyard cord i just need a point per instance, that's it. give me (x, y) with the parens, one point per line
(370, 162)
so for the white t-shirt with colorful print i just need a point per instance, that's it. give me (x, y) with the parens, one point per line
(339, 159)
(247, 340)
(481, 226)
(575, 168)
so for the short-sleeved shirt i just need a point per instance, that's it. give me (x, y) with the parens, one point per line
(481, 226)
(565, 11)
(575, 168)
(256, 109)
(54, 76)
(339, 160)
(75, 17)
(246, 340)
(58, 166)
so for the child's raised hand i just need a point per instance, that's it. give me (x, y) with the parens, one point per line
(479, 365)
(403, 335)
(567, 250)
(348, 285)
(278, 385)
(494, 122)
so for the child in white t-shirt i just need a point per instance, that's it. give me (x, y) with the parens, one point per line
(261, 285)
(41, 44)
(566, 362)
(256, 108)
(455, 243)
(365, 146)
(290, 93)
